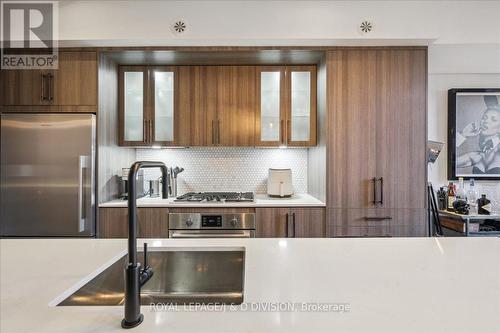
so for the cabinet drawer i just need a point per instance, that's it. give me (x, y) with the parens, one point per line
(376, 222)
(151, 222)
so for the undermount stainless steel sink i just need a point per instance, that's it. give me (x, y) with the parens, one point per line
(180, 277)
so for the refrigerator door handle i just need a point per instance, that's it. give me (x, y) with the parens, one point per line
(82, 168)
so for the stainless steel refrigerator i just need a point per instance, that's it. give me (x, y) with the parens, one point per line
(47, 175)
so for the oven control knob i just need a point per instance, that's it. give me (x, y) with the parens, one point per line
(234, 222)
(189, 222)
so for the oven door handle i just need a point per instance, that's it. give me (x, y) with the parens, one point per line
(187, 234)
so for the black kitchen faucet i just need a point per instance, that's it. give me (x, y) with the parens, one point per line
(135, 276)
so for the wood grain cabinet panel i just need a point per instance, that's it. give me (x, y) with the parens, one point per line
(198, 105)
(401, 152)
(378, 121)
(151, 222)
(236, 105)
(290, 222)
(376, 222)
(351, 164)
(71, 87)
(272, 222)
(23, 87)
(75, 81)
(377, 139)
(308, 222)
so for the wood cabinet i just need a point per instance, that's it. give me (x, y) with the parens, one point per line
(197, 106)
(377, 222)
(236, 105)
(286, 106)
(151, 222)
(71, 87)
(376, 145)
(290, 222)
(149, 107)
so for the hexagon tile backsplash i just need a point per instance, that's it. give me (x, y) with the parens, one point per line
(226, 168)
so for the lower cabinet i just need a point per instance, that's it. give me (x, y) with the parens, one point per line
(290, 222)
(376, 222)
(270, 222)
(151, 222)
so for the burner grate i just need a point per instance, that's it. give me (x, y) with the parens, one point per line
(216, 197)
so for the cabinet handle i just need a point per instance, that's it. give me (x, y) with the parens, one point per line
(282, 132)
(377, 218)
(218, 132)
(293, 224)
(381, 190)
(213, 131)
(151, 133)
(42, 87)
(144, 131)
(374, 181)
(288, 131)
(49, 77)
(286, 225)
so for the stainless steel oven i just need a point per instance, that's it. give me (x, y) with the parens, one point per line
(211, 225)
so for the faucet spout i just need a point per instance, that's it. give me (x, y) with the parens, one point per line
(135, 276)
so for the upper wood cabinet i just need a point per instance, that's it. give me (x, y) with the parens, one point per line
(286, 106)
(187, 105)
(134, 118)
(290, 222)
(219, 104)
(236, 105)
(149, 106)
(73, 86)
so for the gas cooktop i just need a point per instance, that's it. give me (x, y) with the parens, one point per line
(216, 197)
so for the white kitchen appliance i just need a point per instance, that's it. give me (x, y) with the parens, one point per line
(279, 183)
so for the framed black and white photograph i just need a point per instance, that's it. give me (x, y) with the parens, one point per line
(474, 133)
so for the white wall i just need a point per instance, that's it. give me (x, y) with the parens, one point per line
(278, 22)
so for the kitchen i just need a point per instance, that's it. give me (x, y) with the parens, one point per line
(283, 160)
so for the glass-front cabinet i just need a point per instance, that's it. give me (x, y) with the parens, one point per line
(147, 105)
(287, 106)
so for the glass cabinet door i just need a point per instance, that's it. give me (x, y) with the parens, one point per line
(301, 122)
(270, 119)
(133, 130)
(163, 105)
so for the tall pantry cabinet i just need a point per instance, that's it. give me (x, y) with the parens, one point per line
(376, 142)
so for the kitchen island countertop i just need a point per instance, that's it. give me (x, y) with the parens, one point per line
(261, 200)
(391, 285)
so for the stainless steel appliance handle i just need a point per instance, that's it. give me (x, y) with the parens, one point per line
(82, 166)
(187, 234)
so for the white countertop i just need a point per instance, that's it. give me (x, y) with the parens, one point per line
(392, 285)
(261, 200)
